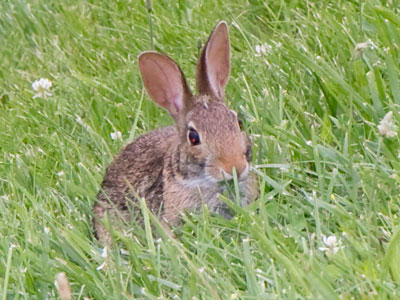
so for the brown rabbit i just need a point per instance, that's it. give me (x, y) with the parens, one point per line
(181, 167)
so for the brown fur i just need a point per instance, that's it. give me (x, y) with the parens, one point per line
(163, 166)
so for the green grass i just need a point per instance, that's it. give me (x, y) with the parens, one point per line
(312, 104)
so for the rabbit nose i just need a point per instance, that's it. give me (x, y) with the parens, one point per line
(239, 163)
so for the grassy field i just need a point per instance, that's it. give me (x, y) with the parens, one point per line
(312, 79)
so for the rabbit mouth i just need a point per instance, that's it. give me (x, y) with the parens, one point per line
(219, 175)
(242, 176)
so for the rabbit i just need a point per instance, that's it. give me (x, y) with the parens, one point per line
(179, 168)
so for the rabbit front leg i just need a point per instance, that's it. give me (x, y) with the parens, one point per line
(180, 198)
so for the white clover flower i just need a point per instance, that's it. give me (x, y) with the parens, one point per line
(262, 49)
(257, 48)
(116, 135)
(41, 87)
(387, 127)
(332, 245)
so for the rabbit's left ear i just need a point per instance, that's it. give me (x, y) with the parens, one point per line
(165, 83)
(214, 64)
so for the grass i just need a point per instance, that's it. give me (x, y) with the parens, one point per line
(312, 104)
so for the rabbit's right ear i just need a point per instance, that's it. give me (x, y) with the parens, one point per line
(165, 82)
(214, 63)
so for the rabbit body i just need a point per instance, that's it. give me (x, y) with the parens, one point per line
(180, 168)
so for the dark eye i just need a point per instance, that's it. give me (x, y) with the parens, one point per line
(194, 137)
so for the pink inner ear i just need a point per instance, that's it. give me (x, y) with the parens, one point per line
(177, 102)
(218, 61)
(221, 85)
(218, 80)
(163, 81)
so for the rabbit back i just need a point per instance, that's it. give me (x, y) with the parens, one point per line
(136, 171)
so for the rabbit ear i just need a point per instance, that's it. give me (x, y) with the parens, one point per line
(165, 82)
(214, 63)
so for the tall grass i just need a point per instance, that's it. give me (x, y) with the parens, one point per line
(312, 102)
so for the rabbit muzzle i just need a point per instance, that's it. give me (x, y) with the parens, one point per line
(240, 164)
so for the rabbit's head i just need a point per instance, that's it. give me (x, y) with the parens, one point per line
(212, 142)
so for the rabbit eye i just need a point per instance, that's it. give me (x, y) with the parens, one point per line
(194, 137)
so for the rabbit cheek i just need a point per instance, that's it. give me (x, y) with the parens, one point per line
(194, 163)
